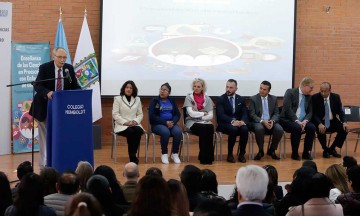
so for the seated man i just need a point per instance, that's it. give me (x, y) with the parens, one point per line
(296, 115)
(131, 174)
(326, 107)
(232, 118)
(264, 118)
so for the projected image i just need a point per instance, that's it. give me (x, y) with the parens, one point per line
(178, 40)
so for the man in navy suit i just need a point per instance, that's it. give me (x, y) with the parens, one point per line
(232, 118)
(251, 184)
(60, 72)
(296, 115)
(328, 116)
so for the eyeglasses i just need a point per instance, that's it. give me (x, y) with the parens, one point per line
(61, 57)
(164, 90)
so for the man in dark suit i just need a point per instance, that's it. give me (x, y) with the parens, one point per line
(251, 183)
(231, 113)
(296, 115)
(264, 118)
(60, 71)
(328, 116)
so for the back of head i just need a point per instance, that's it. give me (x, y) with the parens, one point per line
(208, 181)
(337, 176)
(302, 174)
(154, 171)
(354, 178)
(99, 186)
(5, 193)
(311, 164)
(68, 183)
(84, 171)
(131, 171)
(50, 177)
(107, 172)
(252, 182)
(272, 173)
(212, 207)
(24, 168)
(349, 162)
(318, 186)
(191, 177)
(178, 197)
(83, 204)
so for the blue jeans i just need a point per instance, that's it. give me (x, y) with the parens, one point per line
(165, 133)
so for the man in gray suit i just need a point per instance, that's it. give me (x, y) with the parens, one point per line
(296, 115)
(264, 118)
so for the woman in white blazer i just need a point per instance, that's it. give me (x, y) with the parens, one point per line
(127, 114)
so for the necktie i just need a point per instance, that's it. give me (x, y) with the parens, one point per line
(232, 103)
(59, 81)
(266, 115)
(327, 116)
(302, 108)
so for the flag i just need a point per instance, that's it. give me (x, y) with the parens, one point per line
(60, 40)
(86, 68)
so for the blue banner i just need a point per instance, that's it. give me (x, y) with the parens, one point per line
(25, 61)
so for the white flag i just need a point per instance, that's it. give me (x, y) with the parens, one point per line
(86, 69)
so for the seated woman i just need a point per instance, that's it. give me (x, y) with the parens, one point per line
(337, 175)
(164, 115)
(199, 113)
(127, 114)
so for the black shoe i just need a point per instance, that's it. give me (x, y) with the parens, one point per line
(258, 156)
(134, 159)
(306, 157)
(335, 154)
(206, 162)
(261, 152)
(295, 157)
(326, 154)
(273, 155)
(230, 159)
(241, 158)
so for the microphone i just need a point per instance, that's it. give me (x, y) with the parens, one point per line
(68, 75)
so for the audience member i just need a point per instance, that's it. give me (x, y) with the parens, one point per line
(349, 162)
(232, 119)
(154, 171)
(83, 204)
(316, 192)
(251, 182)
(264, 117)
(178, 197)
(152, 197)
(99, 186)
(22, 169)
(164, 116)
(209, 185)
(296, 115)
(273, 177)
(212, 207)
(191, 178)
(30, 200)
(311, 164)
(131, 173)
(84, 171)
(337, 175)
(351, 201)
(50, 177)
(5, 193)
(67, 185)
(127, 114)
(198, 116)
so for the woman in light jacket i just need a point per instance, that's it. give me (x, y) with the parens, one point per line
(199, 113)
(127, 114)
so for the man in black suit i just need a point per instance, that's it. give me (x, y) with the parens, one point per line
(296, 115)
(328, 116)
(264, 118)
(60, 71)
(251, 183)
(232, 118)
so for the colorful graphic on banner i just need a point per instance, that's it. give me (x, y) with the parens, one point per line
(26, 59)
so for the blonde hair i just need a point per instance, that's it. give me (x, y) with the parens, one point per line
(337, 176)
(200, 81)
(306, 81)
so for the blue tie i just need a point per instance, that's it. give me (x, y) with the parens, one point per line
(232, 103)
(266, 115)
(302, 108)
(327, 116)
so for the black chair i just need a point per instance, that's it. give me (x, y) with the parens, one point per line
(352, 114)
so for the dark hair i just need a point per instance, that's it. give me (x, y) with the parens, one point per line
(68, 183)
(154, 171)
(24, 168)
(30, 195)
(50, 177)
(208, 181)
(152, 197)
(5, 193)
(178, 197)
(318, 186)
(232, 80)
(353, 174)
(191, 177)
(135, 90)
(349, 162)
(212, 207)
(267, 83)
(273, 174)
(310, 163)
(167, 86)
(83, 204)
(302, 174)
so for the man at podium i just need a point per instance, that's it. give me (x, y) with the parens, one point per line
(55, 75)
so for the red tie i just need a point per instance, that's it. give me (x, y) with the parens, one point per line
(59, 81)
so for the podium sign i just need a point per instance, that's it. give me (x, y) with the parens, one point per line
(69, 129)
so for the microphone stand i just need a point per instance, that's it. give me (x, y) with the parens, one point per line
(33, 83)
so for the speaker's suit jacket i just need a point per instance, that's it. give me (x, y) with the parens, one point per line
(319, 108)
(291, 103)
(256, 108)
(47, 71)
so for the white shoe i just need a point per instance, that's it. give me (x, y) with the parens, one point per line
(175, 158)
(165, 158)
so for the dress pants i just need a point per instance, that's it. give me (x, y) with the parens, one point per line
(42, 143)
(260, 130)
(133, 137)
(206, 141)
(335, 126)
(233, 132)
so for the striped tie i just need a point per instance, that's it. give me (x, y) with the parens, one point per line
(59, 81)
